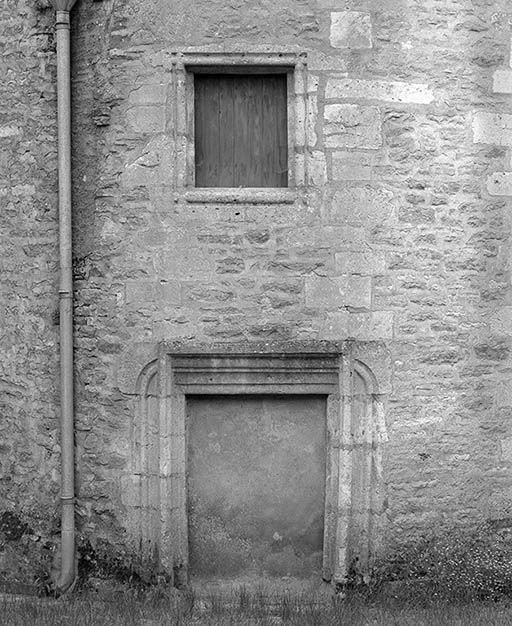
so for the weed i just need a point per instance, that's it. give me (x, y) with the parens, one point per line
(244, 598)
(289, 610)
(456, 564)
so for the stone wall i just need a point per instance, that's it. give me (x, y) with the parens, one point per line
(401, 233)
(29, 451)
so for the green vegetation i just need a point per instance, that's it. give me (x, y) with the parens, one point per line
(244, 609)
(457, 577)
(452, 565)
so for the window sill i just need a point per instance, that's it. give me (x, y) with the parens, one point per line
(252, 195)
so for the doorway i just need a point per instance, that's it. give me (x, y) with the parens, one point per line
(255, 486)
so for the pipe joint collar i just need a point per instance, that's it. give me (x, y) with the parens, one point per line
(62, 19)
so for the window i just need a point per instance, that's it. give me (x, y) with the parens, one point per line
(240, 124)
(241, 128)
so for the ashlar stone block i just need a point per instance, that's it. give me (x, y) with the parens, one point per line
(371, 326)
(504, 394)
(317, 173)
(136, 175)
(365, 263)
(501, 321)
(500, 184)
(335, 325)
(388, 91)
(492, 128)
(312, 117)
(319, 61)
(148, 94)
(146, 118)
(357, 165)
(351, 29)
(352, 126)
(363, 205)
(502, 81)
(142, 292)
(506, 450)
(338, 292)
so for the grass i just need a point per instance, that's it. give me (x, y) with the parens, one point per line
(453, 577)
(243, 608)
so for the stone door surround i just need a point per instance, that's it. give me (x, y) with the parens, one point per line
(156, 493)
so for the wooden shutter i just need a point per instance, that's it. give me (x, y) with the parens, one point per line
(241, 130)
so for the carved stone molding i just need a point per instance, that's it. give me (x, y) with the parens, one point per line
(182, 68)
(356, 431)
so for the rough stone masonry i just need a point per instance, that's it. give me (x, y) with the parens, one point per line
(395, 237)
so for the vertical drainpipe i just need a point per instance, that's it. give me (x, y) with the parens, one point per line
(68, 566)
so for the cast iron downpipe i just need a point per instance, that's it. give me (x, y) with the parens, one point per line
(67, 568)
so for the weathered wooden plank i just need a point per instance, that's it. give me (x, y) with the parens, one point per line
(225, 92)
(241, 130)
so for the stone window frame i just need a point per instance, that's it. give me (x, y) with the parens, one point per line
(155, 490)
(295, 64)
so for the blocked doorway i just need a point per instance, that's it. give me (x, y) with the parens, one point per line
(256, 473)
(156, 489)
